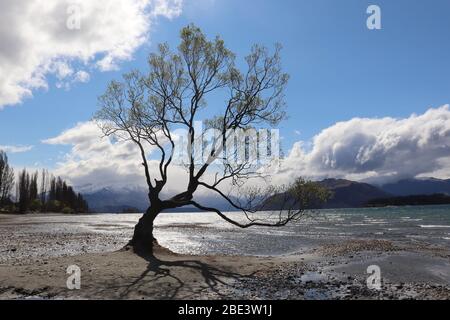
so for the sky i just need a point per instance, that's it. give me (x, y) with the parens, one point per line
(362, 104)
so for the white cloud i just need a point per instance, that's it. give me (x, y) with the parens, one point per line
(358, 149)
(170, 9)
(82, 76)
(96, 162)
(15, 149)
(376, 149)
(36, 42)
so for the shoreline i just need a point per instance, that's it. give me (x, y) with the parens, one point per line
(336, 271)
(36, 252)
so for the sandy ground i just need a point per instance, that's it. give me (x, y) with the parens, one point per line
(327, 271)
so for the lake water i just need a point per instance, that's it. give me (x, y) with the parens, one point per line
(206, 233)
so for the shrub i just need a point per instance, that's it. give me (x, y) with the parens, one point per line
(54, 206)
(67, 210)
(36, 205)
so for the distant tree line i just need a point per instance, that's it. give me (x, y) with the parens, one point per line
(37, 192)
(413, 200)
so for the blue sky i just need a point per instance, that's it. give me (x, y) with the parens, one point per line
(339, 69)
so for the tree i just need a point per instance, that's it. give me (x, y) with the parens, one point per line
(44, 186)
(52, 192)
(6, 178)
(23, 191)
(61, 196)
(146, 108)
(33, 187)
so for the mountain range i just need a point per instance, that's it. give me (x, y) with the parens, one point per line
(346, 194)
(135, 199)
(426, 186)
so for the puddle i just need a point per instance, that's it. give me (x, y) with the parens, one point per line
(311, 276)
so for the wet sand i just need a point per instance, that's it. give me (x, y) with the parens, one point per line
(33, 266)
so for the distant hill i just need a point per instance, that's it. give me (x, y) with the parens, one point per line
(351, 194)
(345, 194)
(132, 199)
(117, 200)
(425, 186)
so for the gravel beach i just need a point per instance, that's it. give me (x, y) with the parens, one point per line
(34, 260)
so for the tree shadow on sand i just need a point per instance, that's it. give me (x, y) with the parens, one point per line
(178, 278)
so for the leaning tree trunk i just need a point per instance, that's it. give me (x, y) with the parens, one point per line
(143, 241)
